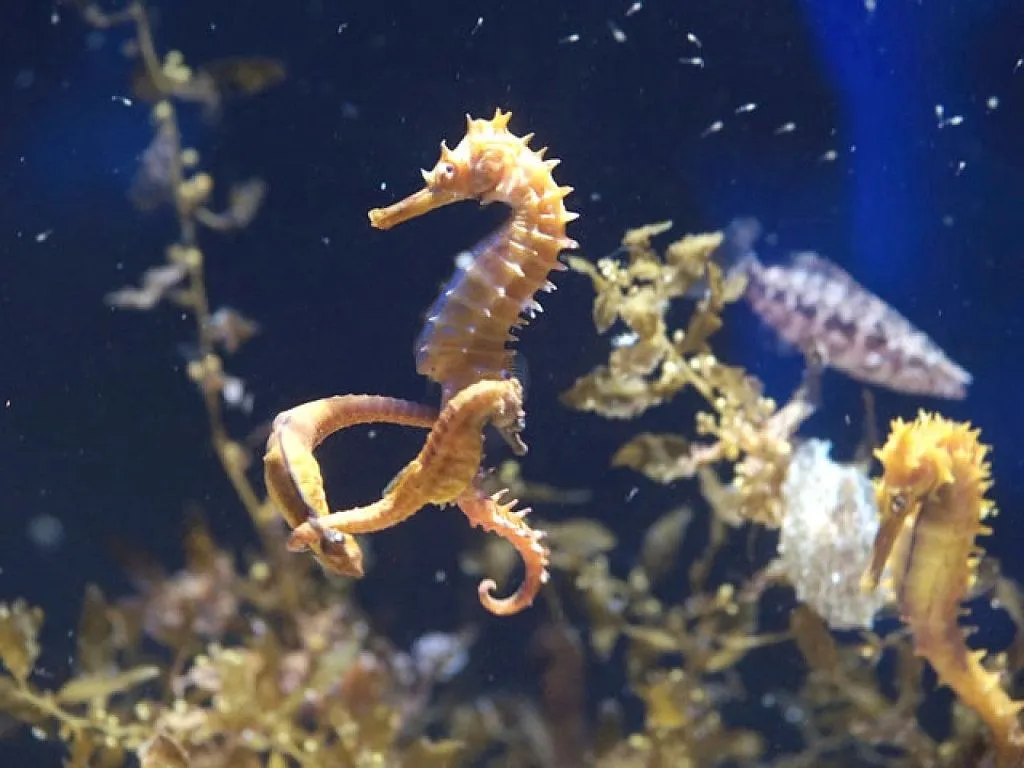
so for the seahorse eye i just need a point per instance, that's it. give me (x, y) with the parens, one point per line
(446, 171)
(898, 504)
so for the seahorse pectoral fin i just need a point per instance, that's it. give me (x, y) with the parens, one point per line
(416, 204)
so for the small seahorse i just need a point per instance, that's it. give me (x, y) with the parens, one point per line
(445, 471)
(470, 327)
(932, 500)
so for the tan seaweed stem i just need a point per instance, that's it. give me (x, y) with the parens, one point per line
(189, 195)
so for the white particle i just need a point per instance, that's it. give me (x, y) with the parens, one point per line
(440, 576)
(634, 8)
(617, 34)
(695, 61)
(123, 99)
(55, 18)
(715, 127)
(785, 128)
(45, 531)
(24, 79)
(383, 186)
(573, 38)
(325, 240)
(342, 27)
(43, 236)
(632, 493)
(692, 39)
(992, 103)
(794, 715)
(960, 166)
(943, 121)
(371, 434)
(625, 340)
(479, 23)
(744, 109)
(828, 157)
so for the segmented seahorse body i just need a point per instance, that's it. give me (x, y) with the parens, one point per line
(469, 328)
(447, 464)
(932, 499)
(453, 334)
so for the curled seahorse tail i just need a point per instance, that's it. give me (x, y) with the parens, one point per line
(519, 600)
(494, 516)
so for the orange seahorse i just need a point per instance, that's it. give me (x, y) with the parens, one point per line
(465, 348)
(469, 329)
(932, 500)
(444, 472)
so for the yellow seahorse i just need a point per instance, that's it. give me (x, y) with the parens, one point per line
(932, 500)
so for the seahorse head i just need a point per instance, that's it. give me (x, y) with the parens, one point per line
(481, 167)
(915, 459)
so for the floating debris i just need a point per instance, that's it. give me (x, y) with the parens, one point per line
(616, 31)
(715, 127)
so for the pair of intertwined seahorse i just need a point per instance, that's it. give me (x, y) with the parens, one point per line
(465, 347)
(932, 501)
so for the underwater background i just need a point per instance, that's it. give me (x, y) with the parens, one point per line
(885, 135)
